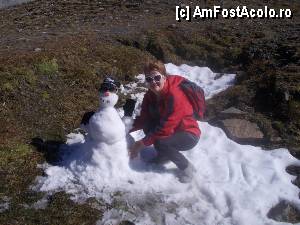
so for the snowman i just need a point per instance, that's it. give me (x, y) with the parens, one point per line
(103, 148)
(106, 142)
(105, 125)
(99, 131)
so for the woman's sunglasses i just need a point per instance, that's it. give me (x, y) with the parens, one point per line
(155, 78)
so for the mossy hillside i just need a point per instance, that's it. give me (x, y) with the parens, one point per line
(18, 172)
(59, 209)
(178, 47)
(272, 75)
(18, 168)
(47, 67)
(294, 110)
(45, 92)
(78, 62)
(59, 84)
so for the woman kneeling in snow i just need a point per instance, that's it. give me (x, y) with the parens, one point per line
(166, 119)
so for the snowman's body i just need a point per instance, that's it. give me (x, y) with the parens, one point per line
(105, 142)
(106, 125)
(98, 160)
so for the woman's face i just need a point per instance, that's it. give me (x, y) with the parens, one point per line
(155, 81)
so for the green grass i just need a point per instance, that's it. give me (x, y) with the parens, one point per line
(18, 170)
(58, 210)
(47, 67)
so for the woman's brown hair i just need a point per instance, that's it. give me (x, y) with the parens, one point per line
(155, 65)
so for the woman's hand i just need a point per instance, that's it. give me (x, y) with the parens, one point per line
(135, 149)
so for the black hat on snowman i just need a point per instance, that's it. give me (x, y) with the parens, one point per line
(109, 84)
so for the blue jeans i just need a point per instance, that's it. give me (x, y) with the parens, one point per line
(169, 148)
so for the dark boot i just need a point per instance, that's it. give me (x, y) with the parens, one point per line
(186, 175)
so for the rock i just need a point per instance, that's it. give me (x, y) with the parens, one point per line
(218, 76)
(295, 151)
(242, 131)
(293, 170)
(284, 212)
(276, 140)
(4, 207)
(4, 204)
(232, 112)
(126, 222)
(235, 124)
(172, 26)
(240, 76)
(297, 182)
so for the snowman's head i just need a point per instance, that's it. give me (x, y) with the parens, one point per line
(108, 99)
(108, 92)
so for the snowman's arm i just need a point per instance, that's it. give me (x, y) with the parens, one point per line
(128, 107)
(85, 120)
(86, 117)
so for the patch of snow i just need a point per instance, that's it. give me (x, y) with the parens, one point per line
(4, 204)
(211, 82)
(41, 204)
(234, 184)
(7, 3)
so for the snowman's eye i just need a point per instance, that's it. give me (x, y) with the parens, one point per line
(103, 100)
(107, 101)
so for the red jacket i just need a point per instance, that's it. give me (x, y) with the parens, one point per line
(171, 113)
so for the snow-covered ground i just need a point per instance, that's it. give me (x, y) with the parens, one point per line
(234, 184)
(7, 3)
